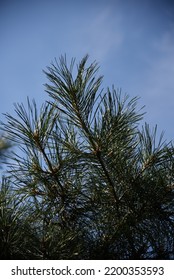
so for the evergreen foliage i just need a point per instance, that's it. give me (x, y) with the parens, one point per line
(88, 182)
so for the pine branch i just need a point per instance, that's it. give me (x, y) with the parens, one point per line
(86, 174)
(77, 98)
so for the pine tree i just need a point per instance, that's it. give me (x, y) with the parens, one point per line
(94, 185)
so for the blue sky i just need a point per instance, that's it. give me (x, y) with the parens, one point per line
(132, 40)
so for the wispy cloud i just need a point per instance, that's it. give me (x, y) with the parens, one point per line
(100, 34)
(161, 67)
(158, 89)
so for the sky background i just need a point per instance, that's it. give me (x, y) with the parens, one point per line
(132, 40)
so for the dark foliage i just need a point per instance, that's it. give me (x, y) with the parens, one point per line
(88, 183)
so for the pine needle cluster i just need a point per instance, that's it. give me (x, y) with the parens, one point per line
(88, 183)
